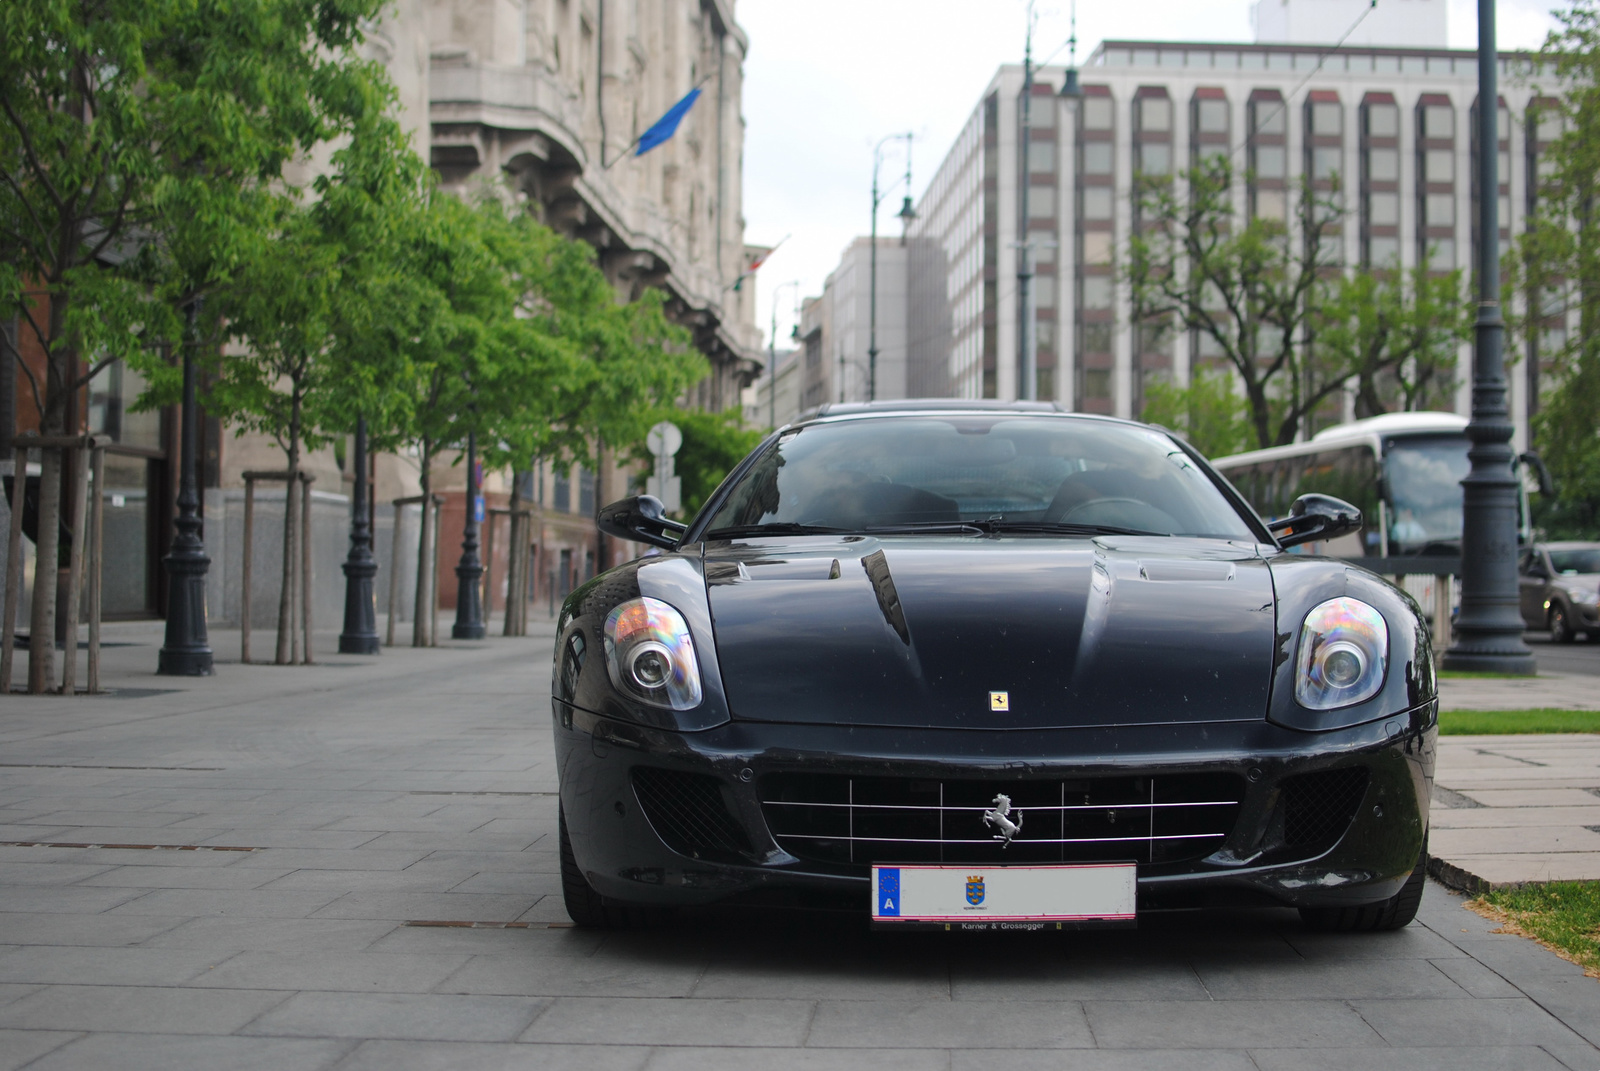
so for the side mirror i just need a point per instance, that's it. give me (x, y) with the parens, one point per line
(643, 519)
(1314, 517)
(1547, 486)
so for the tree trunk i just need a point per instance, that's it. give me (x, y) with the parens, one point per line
(516, 560)
(286, 653)
(42, 622)
(421, 630)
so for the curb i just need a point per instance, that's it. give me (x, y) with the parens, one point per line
(1451, 876)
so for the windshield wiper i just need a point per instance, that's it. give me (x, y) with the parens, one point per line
(1065, 528)
(934, 527)
(780, 528)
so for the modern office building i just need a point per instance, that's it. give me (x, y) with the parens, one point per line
(1393, 125)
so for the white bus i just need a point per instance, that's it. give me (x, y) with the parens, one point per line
(1403, 470)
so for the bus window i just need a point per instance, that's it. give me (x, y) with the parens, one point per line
(1424, 477)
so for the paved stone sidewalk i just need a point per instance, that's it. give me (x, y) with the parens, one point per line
(267, 838)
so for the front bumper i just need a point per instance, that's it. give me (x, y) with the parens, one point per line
(625, 857)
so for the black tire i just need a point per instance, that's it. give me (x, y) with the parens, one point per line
(588, 908)
(1560, 625)
(1392, 914)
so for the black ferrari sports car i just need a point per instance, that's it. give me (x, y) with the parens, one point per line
(984, 665)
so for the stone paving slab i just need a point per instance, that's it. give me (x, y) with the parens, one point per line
(416, 787)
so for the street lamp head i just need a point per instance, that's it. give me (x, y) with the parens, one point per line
(906, 213)
(1071, 91)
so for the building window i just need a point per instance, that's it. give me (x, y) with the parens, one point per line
(1270, 162)
(1042, 157)
(1041, 202)
(1442, 254)
(1438, 121)
(1383, 121)
(1272, 204)
(1097, 202)
(1383, 165)
(1440, 210)
(1097, 383)
(1155, 115)
(1096, 156)
(1155, 158)
(1212, 117)
(1097, 292)
(1326, 163)
(585, 492)
(1327, 120)
(1097, 113)
(1097, 338)
(1439, 165)
(1383, 209)
(1383, 252)
(1097, 247)
(1269, 117)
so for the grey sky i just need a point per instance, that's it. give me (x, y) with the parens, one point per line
(826, 79)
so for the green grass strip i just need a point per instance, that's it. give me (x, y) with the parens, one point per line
(1503, 722)
(1466, 675)
(1561, 915)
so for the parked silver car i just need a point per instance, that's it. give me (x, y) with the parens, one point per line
(1560, 589)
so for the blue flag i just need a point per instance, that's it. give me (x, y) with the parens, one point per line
(667, 125)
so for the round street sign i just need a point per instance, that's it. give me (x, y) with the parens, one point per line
(664, 439)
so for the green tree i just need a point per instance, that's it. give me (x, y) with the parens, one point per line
(1398, 333)
(1247, 286)
(314, 315)
(1208, 412)
(141, 141)
(1556, 264)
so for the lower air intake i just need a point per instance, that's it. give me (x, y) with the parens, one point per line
(1319, 807)
(690, 814)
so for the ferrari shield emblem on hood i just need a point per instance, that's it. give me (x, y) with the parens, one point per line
(975, 889)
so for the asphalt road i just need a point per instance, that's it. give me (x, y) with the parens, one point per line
(1580, 657)
(353, 866)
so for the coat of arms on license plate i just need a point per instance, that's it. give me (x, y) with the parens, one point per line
(975, 890)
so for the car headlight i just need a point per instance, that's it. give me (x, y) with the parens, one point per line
(1343, 655)
(650, 654)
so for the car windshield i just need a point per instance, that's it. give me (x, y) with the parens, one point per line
(1576, 562)
(1424, 477)
(977, 472)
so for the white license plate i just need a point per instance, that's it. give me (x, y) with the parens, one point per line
(1058, 893)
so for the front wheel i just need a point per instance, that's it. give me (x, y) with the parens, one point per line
(1392, 914)
(1560, 626)
(586, 907)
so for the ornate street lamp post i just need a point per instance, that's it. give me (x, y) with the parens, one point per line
(1488, 632)
(360, 635)
(906, 214)
(469, 571)
(187, 650)
(772, 355)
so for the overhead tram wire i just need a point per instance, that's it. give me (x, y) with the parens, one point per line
(1322, 57)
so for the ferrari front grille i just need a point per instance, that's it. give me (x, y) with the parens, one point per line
(1161, 819)
(690, 814)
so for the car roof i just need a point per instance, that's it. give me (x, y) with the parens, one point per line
(948, 406)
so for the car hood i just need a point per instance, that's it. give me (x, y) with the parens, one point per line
(920, 630)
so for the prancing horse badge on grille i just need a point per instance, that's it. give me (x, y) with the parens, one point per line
(1000, 819)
